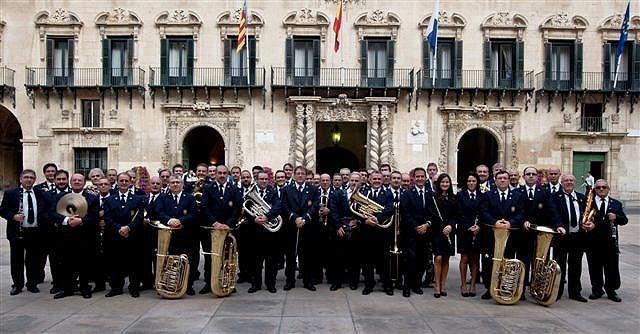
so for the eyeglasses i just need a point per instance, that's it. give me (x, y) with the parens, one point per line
(531, 174)
(601, 187)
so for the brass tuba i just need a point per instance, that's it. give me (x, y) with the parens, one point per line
(545, 275)
(364, 208)
(255, 205)
(507, 275)
(224, 262)
(172, 271)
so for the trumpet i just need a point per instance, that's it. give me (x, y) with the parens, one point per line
(366, 208)
(324, 199)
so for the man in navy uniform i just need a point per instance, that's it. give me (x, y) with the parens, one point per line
(603, 256)
(149, 234)
(25, 209)
(100, 264)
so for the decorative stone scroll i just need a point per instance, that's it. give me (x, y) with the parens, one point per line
(308, 22)
(120, 22)
(228, 23)
(450, 25)
(562, 26)
(180, 22)
(377, 23)
(610, 28)
(60, 22)
(503, 24)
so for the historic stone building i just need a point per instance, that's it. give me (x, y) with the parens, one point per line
(120, 83)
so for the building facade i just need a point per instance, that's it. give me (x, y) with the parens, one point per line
(116, 84)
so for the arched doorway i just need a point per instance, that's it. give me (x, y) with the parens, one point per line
(203, 145)
(477, 146)
(10, 148)
(340, 144)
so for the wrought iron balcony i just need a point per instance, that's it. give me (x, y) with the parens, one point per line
(185, 77)
(7, 85)
(594, 124)
(590, 81)
(341, 77)
(84, 77)
(474, 79)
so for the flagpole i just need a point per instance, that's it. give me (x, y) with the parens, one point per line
(246, 37)
(615, 80)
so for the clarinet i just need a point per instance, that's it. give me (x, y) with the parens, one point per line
(475, 223)
(20, 212)
(614, 231)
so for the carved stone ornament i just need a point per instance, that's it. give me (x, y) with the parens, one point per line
(562, 20)
(178, 16)
(504, 24)
(342, 100)
(306, 16)
(610, 28)
(378, 17)
(59, 16)
(615, 118)
(118, 16)
(480, 110)
(567, 117)
(449, 24)
(233, 18)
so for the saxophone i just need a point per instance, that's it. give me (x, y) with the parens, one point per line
(545, 275)
(224, 262)
(172, 271)
(507, 275)
(589, 210)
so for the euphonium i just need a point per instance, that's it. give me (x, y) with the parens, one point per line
(545, 275)
(589, 210)
(224, 262)
(507, 275)
(172, 271)
(364, 208)
(255, 205)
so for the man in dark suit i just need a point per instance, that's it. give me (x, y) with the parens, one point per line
(266, 250)
(77, 236)
(149, 234)
(302, 203)
(501, 208)
(49, 170)
(573, 238)
(123, 214)
(100, 263)
(54, 242)
(432, 176)
(418, 213)
(222, 205)
(325, 230)
(553, 176)
(178, 209)
(26, 211)
(396, 191)
(603, 255)
(245, 235)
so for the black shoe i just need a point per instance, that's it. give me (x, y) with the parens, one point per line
(366, 291)
(334, 287)
(33, 289)
(289, 286)
(62, 294)
(443, 293)
(310, 287)
(113, 292)
(272, 289)
(353, 286)
(190, 291)
(578, 298)
(417, 291)
(55, 290)
(389, 291)
(436, 295)
(486, 295)
(254, 288)
(99, 288)
(595, 295)
(614, 297)
(134, 293)
(406, 292)
(86, 294)
(14, 291)
(206, 289)
(471, 294)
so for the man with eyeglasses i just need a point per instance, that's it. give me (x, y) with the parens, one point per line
(603, 256)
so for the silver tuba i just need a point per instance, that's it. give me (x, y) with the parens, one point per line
(255, 205)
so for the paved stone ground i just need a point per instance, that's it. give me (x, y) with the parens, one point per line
(343, 311)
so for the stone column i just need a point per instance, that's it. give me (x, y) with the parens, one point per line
(385, 139)
(374, 138)
(299, 144)
(452, 152)
(508, 144)
(30, 153)
(310, 138)
(174, 151)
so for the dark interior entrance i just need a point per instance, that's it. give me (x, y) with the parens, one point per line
(10, 149)
(340, 144)
(202, 145)
(476, 147)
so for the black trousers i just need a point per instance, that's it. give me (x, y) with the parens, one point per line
(524, 245)
(568, 252)
(416, 252)
(374, 254)
(266, 253)
(344, 265)
(47, 249)
(246, 239)
(147, 245)
(124, 259)
(603, 257)
(305, 249)
(76, 258)
(26, 253)
(100, 265)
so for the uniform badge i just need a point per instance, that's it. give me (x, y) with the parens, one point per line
(184, 212)
(540, 206)
(132, 213)
(309, 203)
(513, 209)
(230, 204)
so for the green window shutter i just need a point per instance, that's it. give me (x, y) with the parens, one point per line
(190, 53)
(164, 61)
(635, 48)
(486, 61)
(458, 68)
(316, 61)
(288, 50)
(391, 60)
(228, 48)
(49, 62)
(606, 65)
(130, 52)
(426, 65)
(577, 74)
(363, 62)
(252, 60)
(106, 62)
(519, 75)
(547, 66)
(70, 43)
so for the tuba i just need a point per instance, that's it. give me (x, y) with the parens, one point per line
(545, 275)
(507, 275)
(172, 271)
(364, 208)
(224, 262)
(255, 205)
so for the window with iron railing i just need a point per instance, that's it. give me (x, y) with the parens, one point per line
(117, 61)
(176, 61)
(563, 65)
(592, 120)
(239, 67)
(87, 158)
(303, 61)
(60, 61)
(377, 62)
(91, 113)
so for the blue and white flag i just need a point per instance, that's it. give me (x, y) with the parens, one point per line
(432, 38)
(624, 32)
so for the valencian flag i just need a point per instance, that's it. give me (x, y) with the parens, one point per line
(624, 32)
(336, 26)
(242, 28)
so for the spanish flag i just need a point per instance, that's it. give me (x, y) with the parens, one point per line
(242, 28)
(336, 27)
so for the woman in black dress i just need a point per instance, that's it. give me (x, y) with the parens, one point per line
(468, 205)
(442, 236)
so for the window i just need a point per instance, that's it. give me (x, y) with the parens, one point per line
(303, 61)
(176, 61)
(448, 66)
(592, 117)
(59, 61)
(88, 158)
(117, 61)
(625, 71)
(502, 63)
(235, 63)
(91, 113)
(563, 65)
(377, 62)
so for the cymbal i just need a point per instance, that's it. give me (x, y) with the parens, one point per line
(72, 205)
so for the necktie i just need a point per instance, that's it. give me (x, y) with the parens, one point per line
(554, 189)
(30, 218)
(502, 197)
(123, 200)
(422, 197)
(602, 210)
(175, 199)
(101, 200)
(262, 193)
(572, 209)
(395, 196)
(473, 196)
(530, 194)
(52, 186)
(375, 194)
(300, 188)
(153, 198)
(323, 198)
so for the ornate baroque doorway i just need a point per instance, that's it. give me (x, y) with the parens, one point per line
(202, 145)
(341, 144)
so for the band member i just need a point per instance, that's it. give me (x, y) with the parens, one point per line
(149, 234)
(418, 213)
(344, 239)
(94, 175)
(483, 174)
(112, 175)
(468, 216)
(603, 255)
(302, 202)
(385, 168)
(375, 240)
(25, 209)
(495, 168)
(49, 170)
(222, 204)
(235, 176)
(55, 240)
(514, 179)
(77, 242)
(164, 174)
(254, 172)
(406, 181)
(100, 263)
(386, 180)
(123, 214)
(432, 176)
(178, 210)
(396, 191)
(501, 208)
(572, 242)
(345, 173)
(288, 173)
(442, 231)
(336, 181)
(553, 176)
(325, 231)
(201, 236)
(364, 176)
(245, 235)
(267, 252)
(539, 209)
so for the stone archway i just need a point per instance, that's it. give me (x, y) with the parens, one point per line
(10, 148)
(203, 144)
(476, 146)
